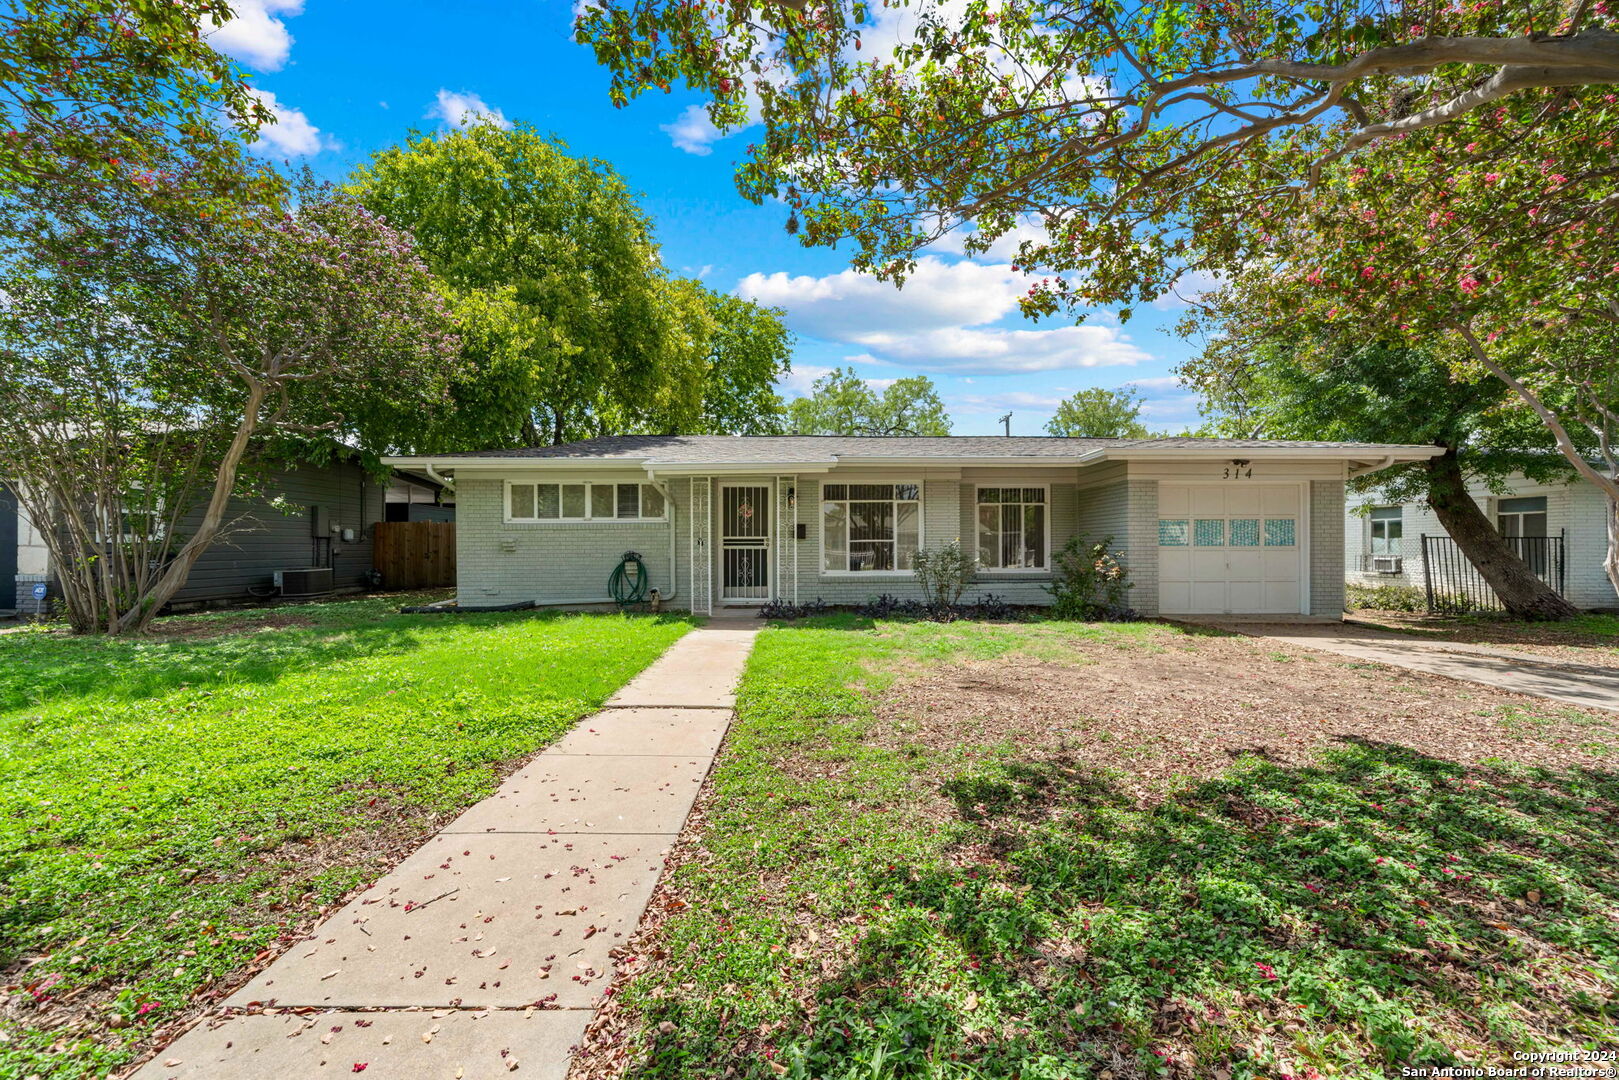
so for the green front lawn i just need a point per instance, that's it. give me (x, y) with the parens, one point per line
(171, 807)
(874, 896)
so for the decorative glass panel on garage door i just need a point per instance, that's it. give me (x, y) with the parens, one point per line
(1244, 556)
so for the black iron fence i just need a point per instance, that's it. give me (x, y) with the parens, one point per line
(1454, 587)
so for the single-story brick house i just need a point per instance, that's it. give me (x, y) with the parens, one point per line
(1559, 528)
(1206, 526)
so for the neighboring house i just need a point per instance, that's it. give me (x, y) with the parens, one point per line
(1206, 526)
(310, 517)
(1383, 540)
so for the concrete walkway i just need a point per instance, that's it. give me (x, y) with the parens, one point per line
(486, 951)
(1578, 684)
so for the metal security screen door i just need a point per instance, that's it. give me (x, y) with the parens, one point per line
(745, 542)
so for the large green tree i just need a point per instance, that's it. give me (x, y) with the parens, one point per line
(842, 403)
(1100, 414)
(1302, 377)
(571, 328)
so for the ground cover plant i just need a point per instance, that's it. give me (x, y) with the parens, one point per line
(173, 809)
(1590, 638)
(1118, 851)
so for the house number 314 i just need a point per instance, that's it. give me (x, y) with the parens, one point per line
(1239, 470)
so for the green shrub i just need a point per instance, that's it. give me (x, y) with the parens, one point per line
(1384, 598)
(1090, 583)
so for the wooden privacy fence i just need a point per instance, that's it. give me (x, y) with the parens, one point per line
(414, 554)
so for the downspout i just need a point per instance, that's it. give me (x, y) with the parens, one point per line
(669, 508)
(438, 477)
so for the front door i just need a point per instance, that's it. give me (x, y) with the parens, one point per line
(745, 543)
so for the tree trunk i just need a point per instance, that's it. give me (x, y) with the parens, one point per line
(1524, 595)
(146, 607)
(1611, 563)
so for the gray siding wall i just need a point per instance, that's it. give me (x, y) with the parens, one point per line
(263, 539)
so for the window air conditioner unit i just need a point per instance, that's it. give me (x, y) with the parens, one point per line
(310, 581)
(1386, 564)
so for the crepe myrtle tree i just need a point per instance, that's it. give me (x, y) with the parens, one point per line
(93, 92)
(1507, 264)
(146, 368)
(1117, 129)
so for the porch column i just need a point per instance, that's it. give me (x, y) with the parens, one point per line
(786, 539)
(699, 518)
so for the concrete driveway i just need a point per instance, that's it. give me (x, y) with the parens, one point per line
(1577, 684)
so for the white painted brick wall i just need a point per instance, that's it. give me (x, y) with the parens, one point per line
(1326, 547)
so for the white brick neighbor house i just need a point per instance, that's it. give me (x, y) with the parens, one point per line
(1383, 539)
(1205, 526)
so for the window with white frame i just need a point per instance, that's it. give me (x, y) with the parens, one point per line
(1012, 528)
(1522, 516)
(588, 501)
(870, 528)
(1388, 527)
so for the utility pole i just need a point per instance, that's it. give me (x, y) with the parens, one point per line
(1007, 420)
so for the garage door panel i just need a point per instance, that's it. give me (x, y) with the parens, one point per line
(1281, 596)
(1209, 596)
(1244, 565)
(1240, 501)
(1280, 501)
(1233, 571)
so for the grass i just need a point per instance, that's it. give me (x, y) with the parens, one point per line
(867, 907)
(170, 807)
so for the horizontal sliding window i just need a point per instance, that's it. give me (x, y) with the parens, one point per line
(583, 502)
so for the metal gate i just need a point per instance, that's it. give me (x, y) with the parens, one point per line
(1455, 587)
(745, 542)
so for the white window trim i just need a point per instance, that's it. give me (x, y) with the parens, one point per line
(1012, 571)
(588, 519)
(921, 525)
(1371, 535)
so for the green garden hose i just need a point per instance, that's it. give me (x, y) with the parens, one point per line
(628, 582)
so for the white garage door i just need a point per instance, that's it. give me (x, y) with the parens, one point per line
(1231, 550)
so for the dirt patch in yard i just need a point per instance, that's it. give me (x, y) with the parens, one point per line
(1588, 639)
(248, 622)
(1189, 712)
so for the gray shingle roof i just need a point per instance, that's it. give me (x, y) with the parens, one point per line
(786, 449)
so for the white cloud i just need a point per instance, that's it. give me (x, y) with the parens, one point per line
(848, 306)
(1011, 401)
(1188, 289)
(255, 35)
(992, 349)
(692, 131)
(1003, 248)
(1156, 382)
(464, 109)
(937, 322)
(801, 380)
(292, 135)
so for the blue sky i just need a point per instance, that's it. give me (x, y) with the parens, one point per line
(350, 77)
